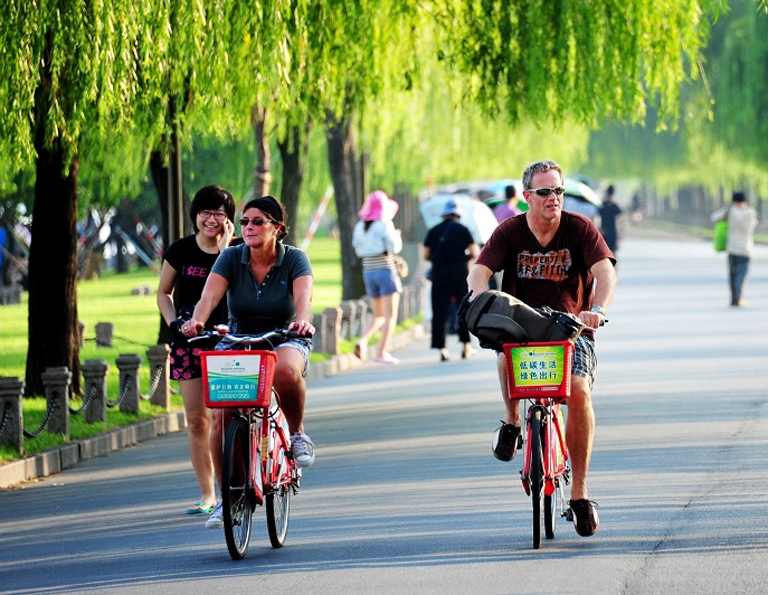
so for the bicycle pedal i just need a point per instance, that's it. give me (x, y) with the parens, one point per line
(568, 515)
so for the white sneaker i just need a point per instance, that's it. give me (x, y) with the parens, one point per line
(216, 520)
(303, 450)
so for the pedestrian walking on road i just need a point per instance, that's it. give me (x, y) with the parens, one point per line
(610, 220)
(451, 249)
(742, 222)
(376, 241)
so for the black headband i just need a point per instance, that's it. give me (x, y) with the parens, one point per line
(267, 205)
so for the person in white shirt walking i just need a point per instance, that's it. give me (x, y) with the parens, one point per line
(742, 221)
(376, 241)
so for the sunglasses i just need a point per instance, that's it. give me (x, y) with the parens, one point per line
(257, 221)
(559, 190)
(218, 215)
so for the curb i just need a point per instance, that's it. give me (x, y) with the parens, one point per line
(56, 460)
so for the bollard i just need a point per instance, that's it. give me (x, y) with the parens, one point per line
(331, 331)
(361, 317)
(11, 412)
(317, 338)
(129, 391)
(404, 311)
(104, 334)
(160, 375)
(95, 381)
(57, 381)
(348, 308)
(81, 333)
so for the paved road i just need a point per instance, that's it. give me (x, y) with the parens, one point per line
(405, 496)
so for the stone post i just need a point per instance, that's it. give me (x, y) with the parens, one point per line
(128, 389)
(11, 413)
(332, 330)
(57, 381)
(95, 377)
(160, 375)
(362, 313)
(348, 308)
(404, 311)
(317, 338)
(104, 334)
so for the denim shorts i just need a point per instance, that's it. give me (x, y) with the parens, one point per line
(381, 282)
(584, 359)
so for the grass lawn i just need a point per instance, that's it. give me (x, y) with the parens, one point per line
(136, 323)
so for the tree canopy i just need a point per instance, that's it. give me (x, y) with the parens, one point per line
(105, 80)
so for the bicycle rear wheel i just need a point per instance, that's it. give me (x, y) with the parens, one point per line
(278, 513)
(236, 491)
(537, 474)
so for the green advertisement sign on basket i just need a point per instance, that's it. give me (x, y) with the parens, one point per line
(539, 369)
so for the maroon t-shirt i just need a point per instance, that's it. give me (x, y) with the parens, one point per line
(556, 275)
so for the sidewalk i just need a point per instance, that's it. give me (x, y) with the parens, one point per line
(56, 460)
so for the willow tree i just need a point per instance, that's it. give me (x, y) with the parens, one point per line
(76, 76)
(591, 60)
(736, 65)
(349, 46)
(69, 72)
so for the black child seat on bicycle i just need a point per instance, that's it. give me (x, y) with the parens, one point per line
(495, 318)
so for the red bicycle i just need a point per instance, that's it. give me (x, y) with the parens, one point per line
(257, 466)
(540, 374)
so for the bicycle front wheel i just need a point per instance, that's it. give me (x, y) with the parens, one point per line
(537, 474)
(236, 491)
(278, 512)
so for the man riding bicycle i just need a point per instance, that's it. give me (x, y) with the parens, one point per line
(557, 259)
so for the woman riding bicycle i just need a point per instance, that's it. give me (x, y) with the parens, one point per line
(268, 285)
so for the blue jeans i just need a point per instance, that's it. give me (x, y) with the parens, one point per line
(737, 273)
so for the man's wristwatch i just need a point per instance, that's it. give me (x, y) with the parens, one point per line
(598, 309)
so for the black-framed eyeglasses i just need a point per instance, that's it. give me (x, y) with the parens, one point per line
(257, 221)
(218, 215)
(559, 190)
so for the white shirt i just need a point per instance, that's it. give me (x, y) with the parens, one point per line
(741, 230)
(381, 237)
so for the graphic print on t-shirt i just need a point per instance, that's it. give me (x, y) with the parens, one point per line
(195, 271)
(551, 266)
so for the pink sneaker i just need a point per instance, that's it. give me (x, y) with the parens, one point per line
(386, 359)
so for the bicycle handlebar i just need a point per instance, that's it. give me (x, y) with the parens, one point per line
(270, 338)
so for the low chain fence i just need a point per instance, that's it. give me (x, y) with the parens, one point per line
(94, 405)
(345, 322)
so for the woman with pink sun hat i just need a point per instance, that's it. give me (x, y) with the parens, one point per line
(376, 241)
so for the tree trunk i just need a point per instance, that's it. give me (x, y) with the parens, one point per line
(292, 148)
(53, 338)
(160, 178)
(262, 178)
(176, 197)
(342, 164)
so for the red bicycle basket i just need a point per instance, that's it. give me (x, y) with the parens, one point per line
(539, 369)
(238, 378)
